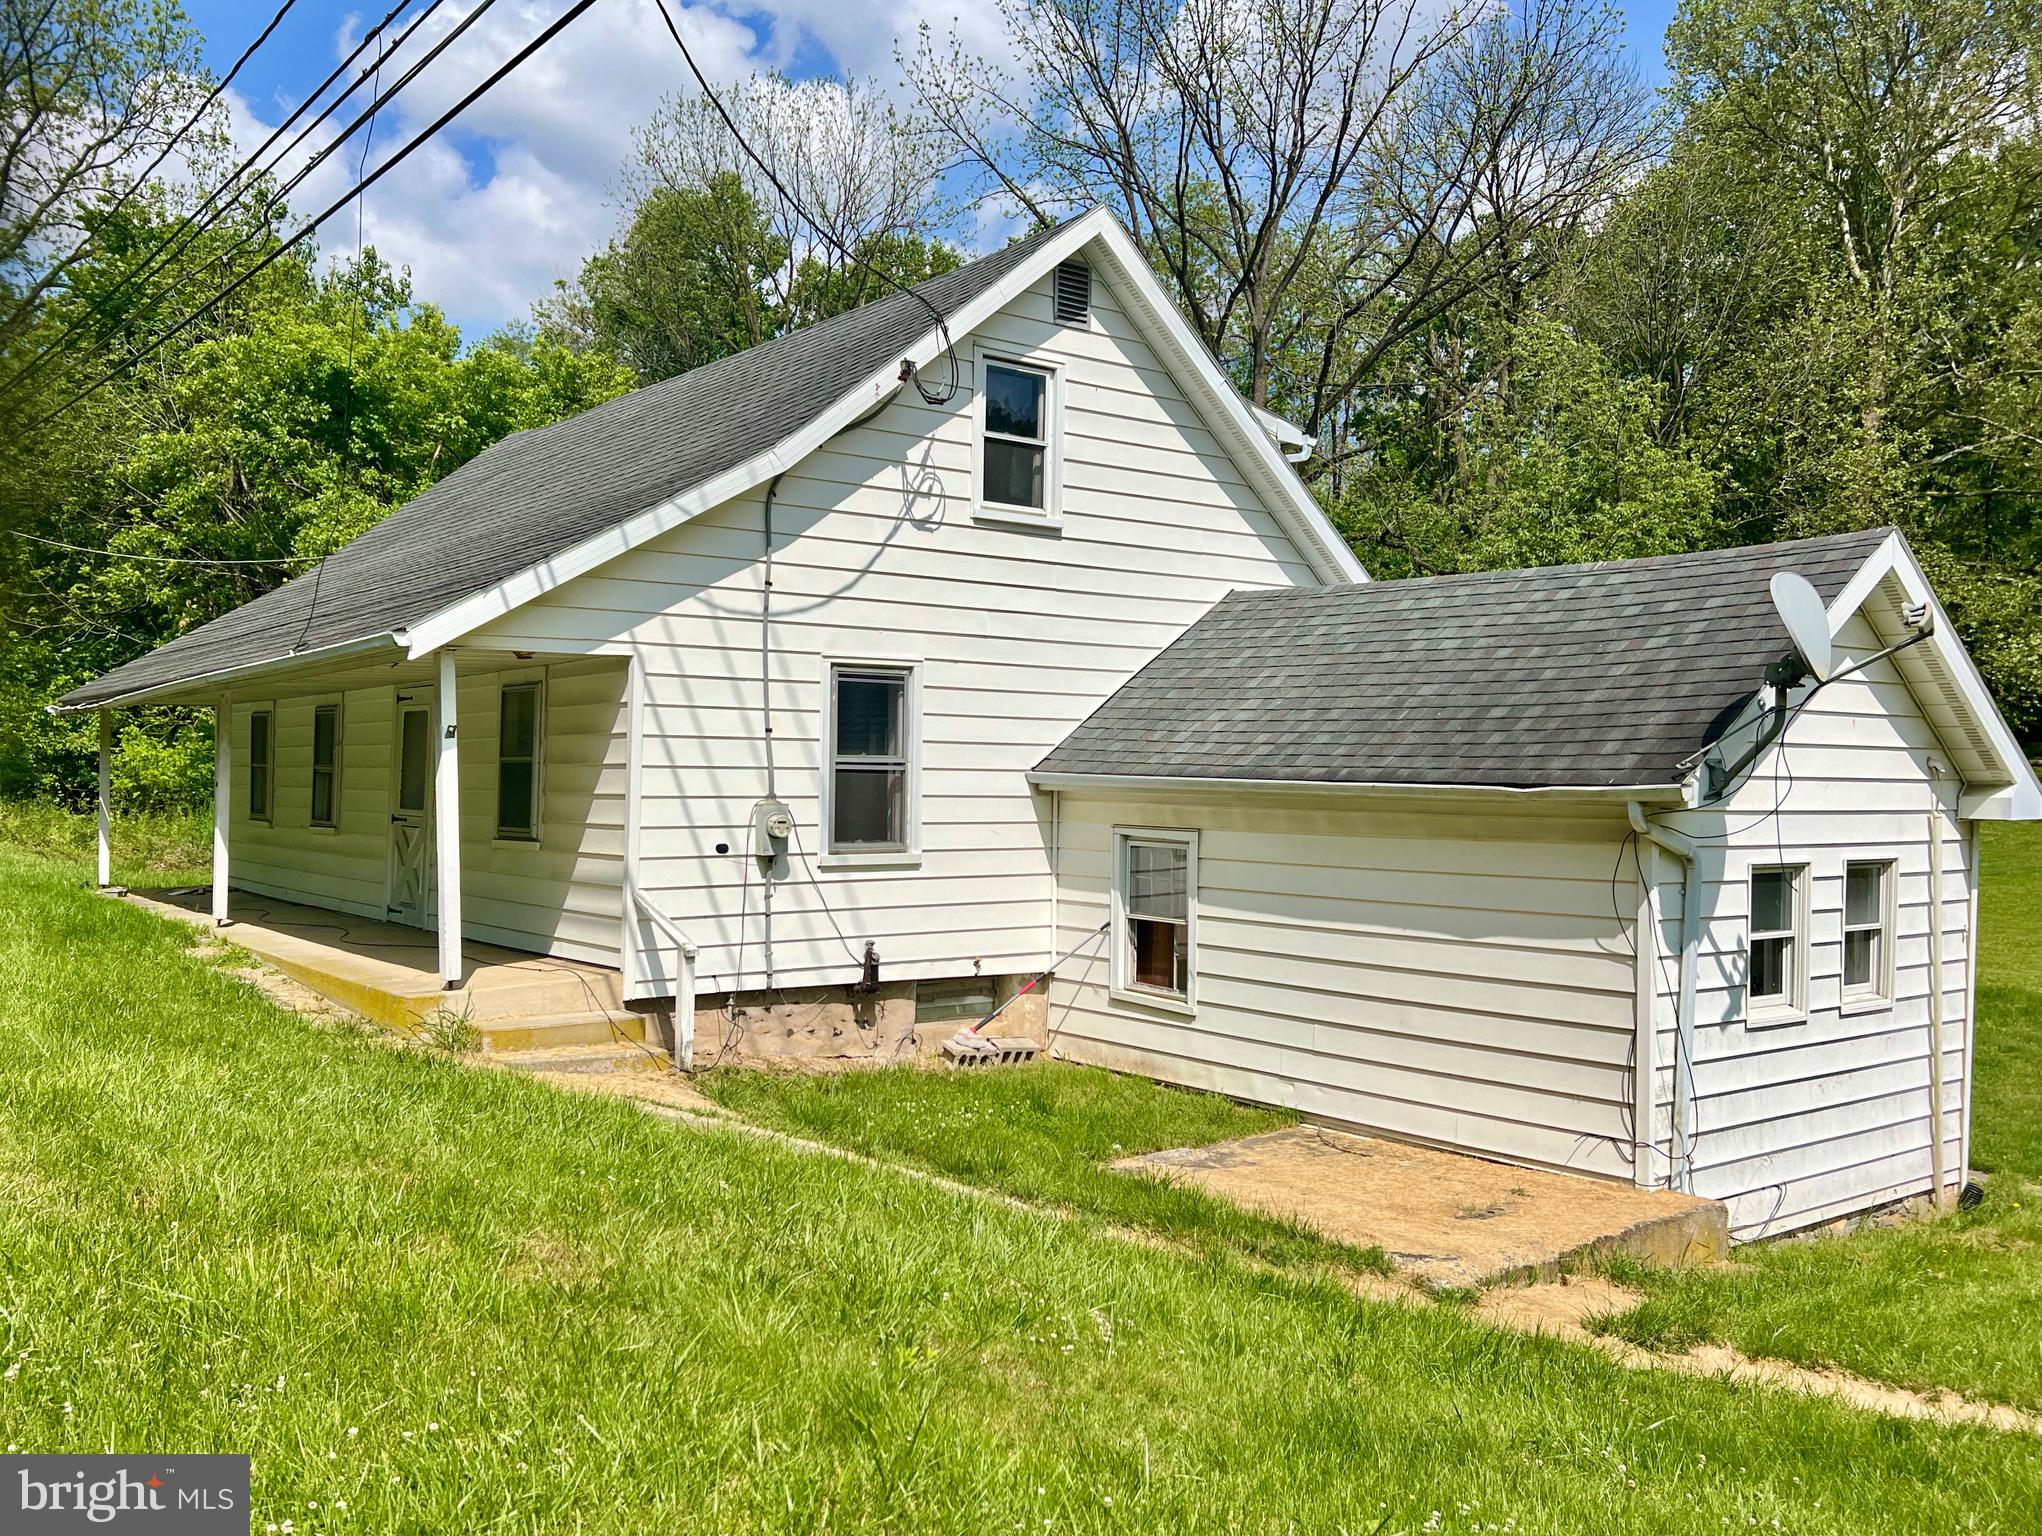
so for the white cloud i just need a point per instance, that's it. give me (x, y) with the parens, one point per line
(486, 234)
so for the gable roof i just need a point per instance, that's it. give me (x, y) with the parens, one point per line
(545, 504)
(1573, 676)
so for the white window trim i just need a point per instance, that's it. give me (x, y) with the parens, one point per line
(1050, 515)
(1120, 983)
(1793, 1008)
(498, 837)
(1877, 996)
(338, 702)
(887, 858)
(268, 818)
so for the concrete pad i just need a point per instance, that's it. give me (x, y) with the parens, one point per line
(1446, 1218)
(389, 972)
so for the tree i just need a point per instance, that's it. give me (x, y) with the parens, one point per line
(685, 284)
(1315, 179)
(91, 92)
(715, 258)
(276, 438)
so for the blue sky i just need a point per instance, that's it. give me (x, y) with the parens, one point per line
(490, 215)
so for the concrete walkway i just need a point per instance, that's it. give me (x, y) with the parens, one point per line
(1447, 1219)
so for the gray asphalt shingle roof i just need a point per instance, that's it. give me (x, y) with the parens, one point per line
(538, 493)
(1575, 675)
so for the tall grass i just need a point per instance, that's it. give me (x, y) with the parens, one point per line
(148, 846)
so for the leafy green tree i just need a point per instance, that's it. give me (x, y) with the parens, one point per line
(298, 422)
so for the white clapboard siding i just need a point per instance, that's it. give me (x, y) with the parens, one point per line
(563, 894)
(1020, 634)
(344, 867)
(1798, 1121)
(560, 895)
(1455, 979)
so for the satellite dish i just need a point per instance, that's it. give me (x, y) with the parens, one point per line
(1807, 619)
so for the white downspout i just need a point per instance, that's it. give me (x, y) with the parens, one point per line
(1937, 1156)
(1683, 849)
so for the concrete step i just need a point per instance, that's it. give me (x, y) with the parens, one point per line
(604, 1059)
(534, 991)
(547, 1031)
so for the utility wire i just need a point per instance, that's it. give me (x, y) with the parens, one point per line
(142, 180)
(305, 230)
(121, 554)
(715, 101)
(197, 222)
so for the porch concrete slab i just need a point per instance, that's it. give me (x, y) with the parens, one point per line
(1445, 1218)
(389, 972)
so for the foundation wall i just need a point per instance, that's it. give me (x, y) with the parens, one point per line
(835, 1024)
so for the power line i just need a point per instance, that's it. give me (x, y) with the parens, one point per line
(305, 230)
(715, 101)
(122, 554)
(240, 181)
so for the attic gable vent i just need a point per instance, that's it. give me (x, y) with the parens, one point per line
(1072, 287)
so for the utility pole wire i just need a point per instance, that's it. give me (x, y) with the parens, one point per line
(715, 101)
(306, 230)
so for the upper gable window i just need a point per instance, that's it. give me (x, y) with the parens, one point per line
(1017, 448)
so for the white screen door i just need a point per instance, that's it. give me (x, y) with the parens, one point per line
(411, 834)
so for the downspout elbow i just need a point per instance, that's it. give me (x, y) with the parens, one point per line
(1681, 847)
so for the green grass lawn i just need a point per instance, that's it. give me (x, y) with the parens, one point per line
(1045, 1133)
(1953, 1300)
(430, 1298)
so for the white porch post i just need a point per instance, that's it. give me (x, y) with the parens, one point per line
(223, 801)
(447, 824)
(105, 798)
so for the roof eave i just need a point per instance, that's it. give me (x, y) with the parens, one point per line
(170, 691)
(1667, 793)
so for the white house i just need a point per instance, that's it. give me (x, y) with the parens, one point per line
(896, 648)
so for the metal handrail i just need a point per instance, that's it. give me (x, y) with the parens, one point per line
(684, 1000)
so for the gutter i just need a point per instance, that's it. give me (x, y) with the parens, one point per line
(1683, 849)
(1660, 794)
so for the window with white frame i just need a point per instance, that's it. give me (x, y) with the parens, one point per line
(871, 788)
(518, 713)
(1775, 974)
(326, 765)
(1155, 892)
(1867, 895)
(1016, 460)
(261, 752)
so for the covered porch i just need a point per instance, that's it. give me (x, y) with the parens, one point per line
(449, 826)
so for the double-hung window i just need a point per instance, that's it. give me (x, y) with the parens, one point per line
(1866, 951)
(261, 749)
(1017, 454)
(326, 765)
(517, 762)
(1155, 898)
(871, 763)
(1776, 982)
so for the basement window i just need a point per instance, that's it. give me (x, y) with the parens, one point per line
(1777, 983)
(1018, 447)
(1867, 907)
(326, 766)
(940, 1002)
(519, 707)
(261, 749)
(1155, 899)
